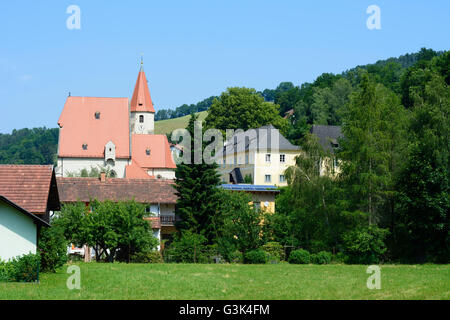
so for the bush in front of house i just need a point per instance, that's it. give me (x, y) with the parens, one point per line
(20, 269)
(274, 250)
(322, 257)
(299, 256)
(153, 256)
(257, 256)
(236, 257)
(365, 245)
(52, 248)
(187, 247)
(5, 271)
(26, 267)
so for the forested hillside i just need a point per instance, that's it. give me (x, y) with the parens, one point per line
(184, 110)
(29, 146)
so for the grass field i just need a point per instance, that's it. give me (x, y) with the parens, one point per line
(278, 281)
(167, 126)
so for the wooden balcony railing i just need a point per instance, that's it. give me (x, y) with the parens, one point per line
(167, 220)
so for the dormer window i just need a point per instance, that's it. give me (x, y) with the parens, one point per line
(140, 104)
(141, 119)
(97, 115)
(110, 153)
(147, 152)
(84, 146)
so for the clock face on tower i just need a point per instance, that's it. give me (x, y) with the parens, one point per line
(140, 128)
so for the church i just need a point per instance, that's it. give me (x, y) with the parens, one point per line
(115, 135)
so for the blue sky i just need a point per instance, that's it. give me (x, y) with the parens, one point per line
(193, 49)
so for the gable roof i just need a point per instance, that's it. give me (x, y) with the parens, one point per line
(262, 138)
(36, 219)
(160, 155)
(32, 187)
(327, 135)
(79, 126)
(135, 171)
(141, 100)
(120, 189)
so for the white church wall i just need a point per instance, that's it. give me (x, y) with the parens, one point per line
(162, 173)
(75, 165)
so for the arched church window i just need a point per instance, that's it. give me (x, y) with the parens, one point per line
(141, 119)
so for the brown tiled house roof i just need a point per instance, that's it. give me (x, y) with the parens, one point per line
(32, 187)
(142, 190)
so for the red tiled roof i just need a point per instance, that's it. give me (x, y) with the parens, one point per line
(142, 190)
(79, 126)
(141, 100)
(160, 155)
(28, 186)
(135, 171)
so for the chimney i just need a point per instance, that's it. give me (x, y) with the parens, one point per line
(102, 176)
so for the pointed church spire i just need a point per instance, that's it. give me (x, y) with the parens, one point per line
(141, 100)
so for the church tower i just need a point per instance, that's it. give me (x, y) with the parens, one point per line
(142, 118)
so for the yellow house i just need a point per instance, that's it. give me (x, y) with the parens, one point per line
(256, 156)
(263, 197)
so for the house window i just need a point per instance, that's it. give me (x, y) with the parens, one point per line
(335, 163)
(97, 115)
(147, 152)
(282, 178)
(246, 159)
(268, 178)
(84, 146)
(282, 158)
(257, 206)
(267, 157)
(141, 119)
(152, 209)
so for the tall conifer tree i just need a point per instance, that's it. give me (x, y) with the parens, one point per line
(196, 186)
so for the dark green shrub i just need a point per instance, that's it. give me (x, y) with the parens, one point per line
(317, 246)
(209, 254)
(187, 247)
(52, 248)
(299, 256)
(257, 256)
(147, 257)
(322, 257)
(237, 257)
(365, 246)
(25, 268)
(274, 250)
(5, 271)
(339, 257)
(74, 257)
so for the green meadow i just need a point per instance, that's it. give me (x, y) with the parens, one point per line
(167, 126)
(236, 281)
